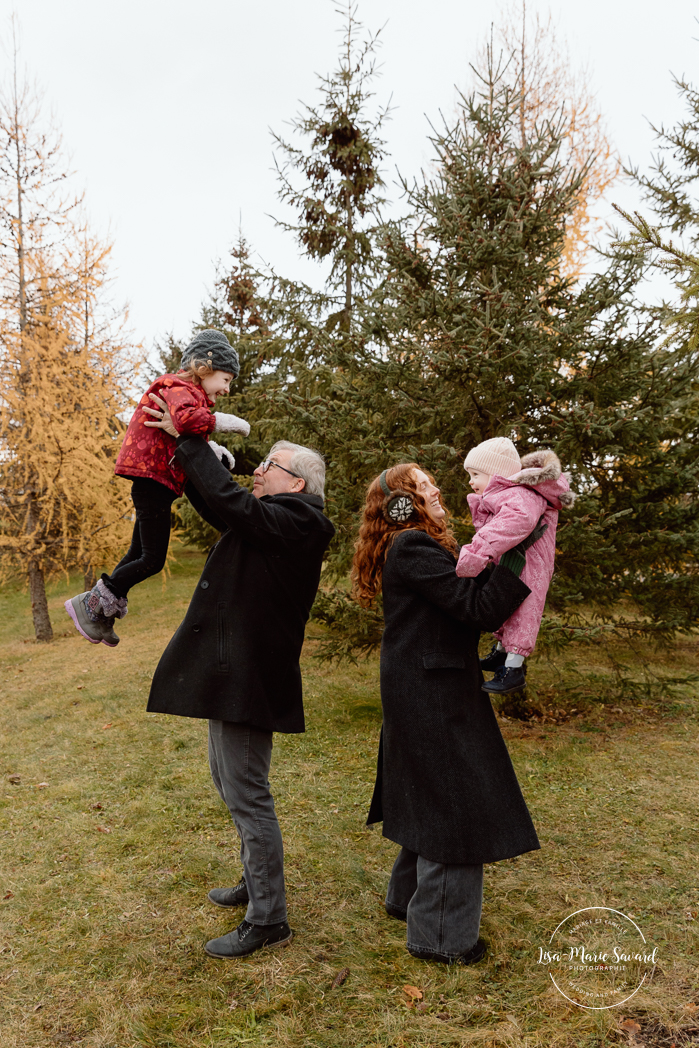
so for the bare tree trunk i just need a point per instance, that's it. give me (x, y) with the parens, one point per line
(37, 586)
(89, 578)
(40, 608)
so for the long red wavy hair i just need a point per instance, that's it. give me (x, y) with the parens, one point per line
(376, 533)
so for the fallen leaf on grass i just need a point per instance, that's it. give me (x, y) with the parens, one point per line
(9, 895)
(691, 1008)
(422, 1006)
(443, 1016)
(15, 780)
(96, 807)
(340, 978)
(233, 1005)
(630, 1028)
(104, 829)
(80, 687)
(38, 1006)
(412, 991)
(41, 785)
(104, 726)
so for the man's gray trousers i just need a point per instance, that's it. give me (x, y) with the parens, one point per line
(239, 758)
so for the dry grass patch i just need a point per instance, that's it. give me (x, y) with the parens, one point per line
(105, 869)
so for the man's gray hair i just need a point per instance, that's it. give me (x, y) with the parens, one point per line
(309, 465)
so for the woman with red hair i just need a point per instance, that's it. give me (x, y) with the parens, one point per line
(445, 790)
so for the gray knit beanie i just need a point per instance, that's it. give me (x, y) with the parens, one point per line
(212, 347)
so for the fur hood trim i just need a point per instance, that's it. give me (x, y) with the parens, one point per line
(542, 467)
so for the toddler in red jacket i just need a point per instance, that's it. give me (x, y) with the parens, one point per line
(209, 364)
(510, 498)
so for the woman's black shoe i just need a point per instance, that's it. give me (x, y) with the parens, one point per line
(472, 956)
(494, 659)
(506, 679)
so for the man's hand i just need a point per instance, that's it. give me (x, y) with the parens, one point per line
(161, 416)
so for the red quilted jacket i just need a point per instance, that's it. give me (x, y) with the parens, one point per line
(148, 451)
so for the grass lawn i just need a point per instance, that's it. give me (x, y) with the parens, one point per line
(114, 833)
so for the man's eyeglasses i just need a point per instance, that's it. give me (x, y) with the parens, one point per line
(266, 463)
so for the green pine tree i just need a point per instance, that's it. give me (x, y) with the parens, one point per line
(333, 179)
(475, 332)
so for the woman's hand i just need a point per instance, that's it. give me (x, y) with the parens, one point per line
(161, 416)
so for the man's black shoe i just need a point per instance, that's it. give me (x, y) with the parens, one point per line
(472, 956)
(396, 911)
(494, 659)
(250, 937)
(506, 679)
(237, 896)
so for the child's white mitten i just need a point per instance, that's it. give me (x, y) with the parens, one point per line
(222, 454)
(231, 423)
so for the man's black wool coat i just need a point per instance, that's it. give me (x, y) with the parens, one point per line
(445, 787)
(235, 657)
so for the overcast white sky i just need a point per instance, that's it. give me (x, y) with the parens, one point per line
(166, 109)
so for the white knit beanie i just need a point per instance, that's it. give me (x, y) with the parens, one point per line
(497, 456)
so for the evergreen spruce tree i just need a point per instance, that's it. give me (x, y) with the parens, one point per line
(334, 181)
(672, 528)
(331, 176)
(476, 332)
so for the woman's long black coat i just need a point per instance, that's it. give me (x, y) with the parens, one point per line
(445, 787)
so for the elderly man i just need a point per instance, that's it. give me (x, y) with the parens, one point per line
(235, 658)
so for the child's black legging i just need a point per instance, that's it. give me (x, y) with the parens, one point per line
(151, 536)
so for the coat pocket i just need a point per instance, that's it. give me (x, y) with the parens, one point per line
(443, 660)
(222, 636)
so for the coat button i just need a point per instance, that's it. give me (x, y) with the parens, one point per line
(196, 628)
(205, 584)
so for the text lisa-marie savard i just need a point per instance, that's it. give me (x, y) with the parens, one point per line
(583, 956)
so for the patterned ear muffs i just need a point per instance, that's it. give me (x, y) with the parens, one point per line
(398, 505)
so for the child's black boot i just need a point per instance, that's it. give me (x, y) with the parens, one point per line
(507, 679)
(494, 659)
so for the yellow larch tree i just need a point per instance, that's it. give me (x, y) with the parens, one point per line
(66, 368)
(61, 507)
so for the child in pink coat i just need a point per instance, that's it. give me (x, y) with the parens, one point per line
(510, 498)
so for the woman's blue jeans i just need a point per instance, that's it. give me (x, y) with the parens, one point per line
(442, 903)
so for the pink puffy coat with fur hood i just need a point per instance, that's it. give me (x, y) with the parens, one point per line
(506, 512)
